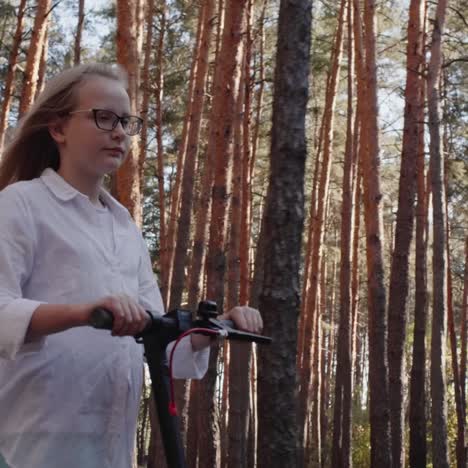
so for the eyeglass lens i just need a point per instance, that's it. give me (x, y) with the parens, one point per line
(107, 120)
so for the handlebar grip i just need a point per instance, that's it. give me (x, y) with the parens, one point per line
(101, 318)
(228, 323)
(238, 335)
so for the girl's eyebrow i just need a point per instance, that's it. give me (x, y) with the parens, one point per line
(123, 114)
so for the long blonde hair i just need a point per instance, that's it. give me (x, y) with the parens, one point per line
(32, 149)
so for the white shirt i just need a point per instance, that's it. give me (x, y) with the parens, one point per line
(71, 399)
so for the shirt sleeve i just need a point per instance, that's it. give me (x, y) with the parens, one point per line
(187, 363)
(16, 262)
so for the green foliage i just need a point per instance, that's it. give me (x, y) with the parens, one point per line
(360, 438)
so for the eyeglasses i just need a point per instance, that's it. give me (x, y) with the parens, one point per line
(108, 120)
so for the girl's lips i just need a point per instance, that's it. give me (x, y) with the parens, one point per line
(116, 151)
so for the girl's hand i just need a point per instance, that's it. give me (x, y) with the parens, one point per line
(129, 317)
(245, 318)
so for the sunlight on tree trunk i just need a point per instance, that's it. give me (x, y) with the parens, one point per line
(31, 72)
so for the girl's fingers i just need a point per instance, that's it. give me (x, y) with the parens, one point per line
(133, 317)
(113, 305)
(239, 318)
(258, 322)
(138, 317)
(255, 320)
(120, 317)
(247, 319)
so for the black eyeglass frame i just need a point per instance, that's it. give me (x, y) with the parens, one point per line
(117, 118)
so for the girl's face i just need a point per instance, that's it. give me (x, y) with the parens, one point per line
(87, 152)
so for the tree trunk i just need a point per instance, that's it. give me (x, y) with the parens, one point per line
(140, 22)
(341, 451)
(279, 300)
(225, 88)
(142, 430)
(239, 368)
(145, 92)
(306, 317)
(328, 353)
(167, 255)
(127, 181)
(10, 77)
(417, 404)
(252, 436)
(381, 455)
(460, 410)
(188, 178)
(464, 317)
(398, 292)
(159, 138)
(42, 63)
(261, 87)
(224, 406)
(34, 56)
(315, 450)
(192, 429)
(439, 319)
(318, 222)
(79, 32)
(189, 153)
(245, 228)
(156, 453)
(355, 265)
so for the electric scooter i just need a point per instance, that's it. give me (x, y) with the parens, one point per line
(161, 331)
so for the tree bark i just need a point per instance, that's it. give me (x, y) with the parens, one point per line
(261, 87)
(10, 77)
(318, 222)
(464, 317)
(245, 228)
(417, 403)
(440, 454)
(460, 410)
(355, 281)
(315, 447)
(127, 180)
(284, 213)
(145, 93)
(306, 316)
(381, 455)
(341, 451)
(42, 63)
(159, 139)
(398, 292)
(225, 89)
(192, 429)
(79, 32)
(188, 178)
(140, 23)
(328, 357)
(239, 368)
(33, 59)
(167, 256)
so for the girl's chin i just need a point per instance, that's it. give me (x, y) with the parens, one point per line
(112, 164)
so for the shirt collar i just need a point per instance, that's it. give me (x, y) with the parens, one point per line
(65, 192)
(57, 185)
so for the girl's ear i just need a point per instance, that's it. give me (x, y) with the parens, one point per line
(56, 130)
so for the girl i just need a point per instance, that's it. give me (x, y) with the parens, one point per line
(69, 394)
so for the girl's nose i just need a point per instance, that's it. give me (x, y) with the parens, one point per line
(119, 132)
